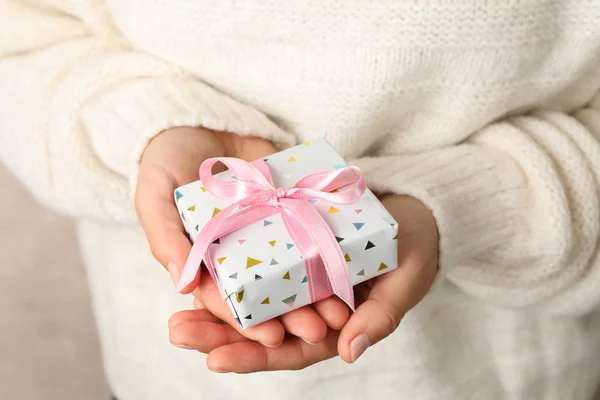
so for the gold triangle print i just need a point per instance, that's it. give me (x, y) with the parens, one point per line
(286, 276)
(292, 159)
(251, 262)
(382, 266)
(221, 259)
(306, 144)
(266, 301)
(203, 189)
(192, 208)
(347, 257)
(395, 237)
(240, 296)
(333, 210)
(215, 212)
(272, 243)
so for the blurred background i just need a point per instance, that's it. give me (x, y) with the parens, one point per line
(48, 344)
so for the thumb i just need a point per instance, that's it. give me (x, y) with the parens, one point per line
(392, 295)
(171, 159)
(374, 320)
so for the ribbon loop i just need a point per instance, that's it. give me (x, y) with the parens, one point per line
(255, 196)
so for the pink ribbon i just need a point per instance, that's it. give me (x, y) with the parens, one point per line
(256, 197)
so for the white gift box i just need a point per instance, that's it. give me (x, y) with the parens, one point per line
(260, 272)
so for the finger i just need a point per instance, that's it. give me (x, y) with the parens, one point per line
(247, 148)
(293, 354)
(198, 304)
(203, 336)
(192, 315)
(306, 324)
(269, 333)
(333, 311)
(391, 296)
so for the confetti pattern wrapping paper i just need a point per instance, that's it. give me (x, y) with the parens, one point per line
(260, 272)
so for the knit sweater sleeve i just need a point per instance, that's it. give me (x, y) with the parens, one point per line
(517, 208)
(78, 106)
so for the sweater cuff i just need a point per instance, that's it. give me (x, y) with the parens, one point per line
(122, 122)
(473, 194)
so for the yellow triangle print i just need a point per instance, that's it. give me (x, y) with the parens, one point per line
(333, 210)
(272, 242)
(335, 191)
(306, 144)
(251, 262)
(396, 237)
(239, 296)
(192, 208)
(286, 276)
(266, 301)
(215, 212)
(203, 189)
(382, 266)
(347, 257)
(292, 159)
(220, 260)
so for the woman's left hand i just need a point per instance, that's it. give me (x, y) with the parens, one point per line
(382, 303)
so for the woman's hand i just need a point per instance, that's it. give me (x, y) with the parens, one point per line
(172, 159)
(383, 301)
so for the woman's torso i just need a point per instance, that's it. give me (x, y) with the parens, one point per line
(413, 75)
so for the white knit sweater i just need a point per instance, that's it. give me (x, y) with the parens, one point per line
(487, 111)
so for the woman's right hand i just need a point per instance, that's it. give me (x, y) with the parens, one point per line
(173, 159)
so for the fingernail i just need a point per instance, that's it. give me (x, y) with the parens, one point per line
(174, 272)
(184, 346)
(311, 343)
(269, 346)
(359, 345)
(218, 370)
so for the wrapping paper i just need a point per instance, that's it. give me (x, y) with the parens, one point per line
(259, 270)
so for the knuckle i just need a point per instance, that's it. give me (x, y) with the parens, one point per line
(392, 316)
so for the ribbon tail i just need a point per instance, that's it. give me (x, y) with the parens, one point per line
(205, 238)
(311, 232)
(221, 225)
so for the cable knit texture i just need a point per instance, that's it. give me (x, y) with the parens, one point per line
(487, 111)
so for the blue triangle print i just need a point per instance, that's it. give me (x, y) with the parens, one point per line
(289, 245)
(339, 166)
(257, 277)
(178, 195)
(358, 225)
(312, 201)
(304, 280)
(267, 223)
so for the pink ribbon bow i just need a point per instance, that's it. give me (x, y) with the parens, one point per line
(256, 197)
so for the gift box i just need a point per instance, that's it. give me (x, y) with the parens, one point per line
(259, 269)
